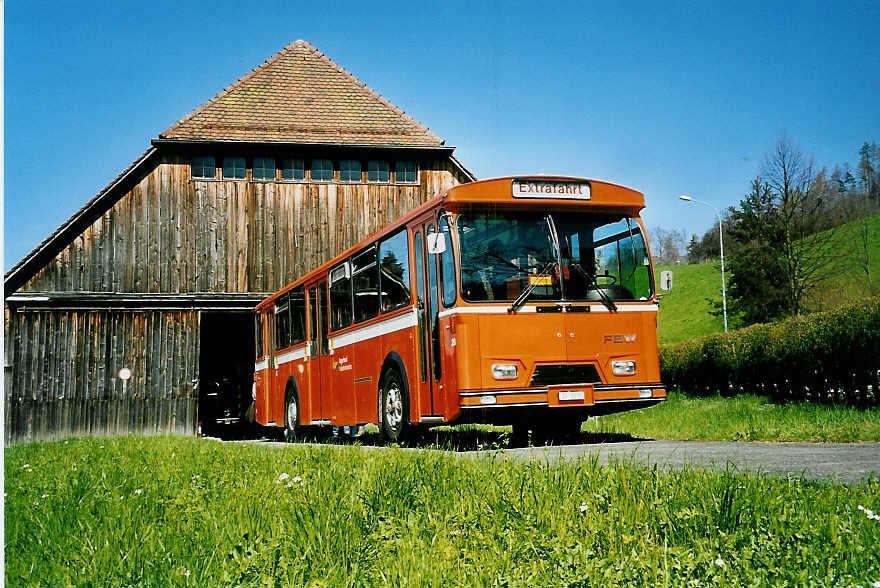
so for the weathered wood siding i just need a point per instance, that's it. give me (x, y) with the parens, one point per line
(171, 234)
(61, 373)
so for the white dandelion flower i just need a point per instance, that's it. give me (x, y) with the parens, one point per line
(297, 480)
(290, 484)
(26, 466)
(282, 477)
(139, 491)
(584, 507)
(44, 496)
(186, 572)
(719, 562)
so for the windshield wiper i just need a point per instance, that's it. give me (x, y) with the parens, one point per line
(521, 299)
(593, 283)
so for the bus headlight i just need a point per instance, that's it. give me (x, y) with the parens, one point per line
(504, 371)
(623, 367)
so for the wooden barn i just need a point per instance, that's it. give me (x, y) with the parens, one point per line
(155, 277)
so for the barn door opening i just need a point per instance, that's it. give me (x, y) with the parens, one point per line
(226, 372)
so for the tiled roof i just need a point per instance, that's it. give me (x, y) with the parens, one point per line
(301, 96)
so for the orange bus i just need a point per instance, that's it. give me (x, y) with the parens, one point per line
(524, 301)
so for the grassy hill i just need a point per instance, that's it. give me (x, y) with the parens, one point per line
(684, 310)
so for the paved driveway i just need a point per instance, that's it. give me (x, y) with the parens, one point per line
(845, 462)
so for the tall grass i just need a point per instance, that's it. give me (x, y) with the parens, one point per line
(172, 511)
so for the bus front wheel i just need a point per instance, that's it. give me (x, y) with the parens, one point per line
(394, 407)
(291, 416)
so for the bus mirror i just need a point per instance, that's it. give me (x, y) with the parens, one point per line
(666, 280)
(436, 242)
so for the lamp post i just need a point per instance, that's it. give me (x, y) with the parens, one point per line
(721, 243)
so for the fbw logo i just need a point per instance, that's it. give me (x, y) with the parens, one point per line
(619, 338)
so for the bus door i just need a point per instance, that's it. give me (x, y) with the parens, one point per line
(272, 372)
(431, 328)
(319, 358)
(422, 346)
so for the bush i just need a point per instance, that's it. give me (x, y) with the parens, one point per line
(827, 357)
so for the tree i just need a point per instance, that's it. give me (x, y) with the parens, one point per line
(658, 240)
(869, 170)
(756, 290)
(783, 255)
(805, 249)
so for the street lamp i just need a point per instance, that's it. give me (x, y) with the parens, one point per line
(721, 243)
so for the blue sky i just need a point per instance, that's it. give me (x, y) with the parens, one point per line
(666, 98)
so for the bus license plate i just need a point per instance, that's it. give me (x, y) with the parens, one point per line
(569, 395)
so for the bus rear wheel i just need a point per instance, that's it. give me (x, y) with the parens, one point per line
(291, 416)
(393, 407)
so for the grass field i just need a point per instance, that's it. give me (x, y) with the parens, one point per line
(684, 311)
(175, 511)
(742, 418)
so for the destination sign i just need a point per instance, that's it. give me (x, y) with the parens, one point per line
(549, 189)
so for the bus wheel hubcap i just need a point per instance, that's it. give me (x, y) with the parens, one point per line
(291, 414)
(393, 406)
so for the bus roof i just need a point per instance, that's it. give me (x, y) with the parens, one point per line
(543, 190)
(538, 191)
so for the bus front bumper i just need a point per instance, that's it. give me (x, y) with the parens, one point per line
(502, 406)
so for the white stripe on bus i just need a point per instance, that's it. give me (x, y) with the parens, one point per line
(261, 365)
(375, 330)
(290, 356)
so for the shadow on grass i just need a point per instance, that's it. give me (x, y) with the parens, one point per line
(460, 438)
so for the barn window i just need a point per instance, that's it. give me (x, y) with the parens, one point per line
(322, 170)
(264, 168)
(204, 167)
(406, 172)
(233, 168)
(293, 170)
(378, 171)
(349, 170)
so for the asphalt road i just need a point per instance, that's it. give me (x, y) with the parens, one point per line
(843, 462)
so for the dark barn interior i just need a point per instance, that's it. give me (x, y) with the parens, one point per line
(226, 372)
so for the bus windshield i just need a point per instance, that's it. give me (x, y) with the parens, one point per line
(603, 256)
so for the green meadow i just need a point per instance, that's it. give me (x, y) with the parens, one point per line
(183, 511)
(685, 310)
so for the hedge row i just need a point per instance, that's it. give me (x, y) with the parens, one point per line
(830, 357)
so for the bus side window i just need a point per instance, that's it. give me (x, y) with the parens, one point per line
(258, 334)
(447, 266)
(282, 322)
(298, 315)
(365, 276)
(394, 271)
(340, 297)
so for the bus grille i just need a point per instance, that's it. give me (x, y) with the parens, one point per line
(550, 375)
